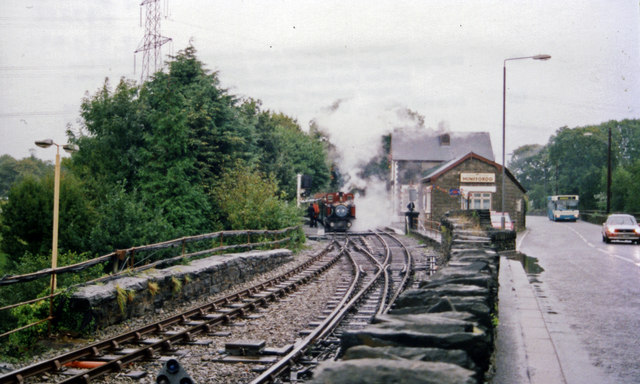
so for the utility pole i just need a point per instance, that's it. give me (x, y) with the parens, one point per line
(609, 172)
(152, 42)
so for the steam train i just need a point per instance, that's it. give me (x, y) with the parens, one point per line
(336, 211)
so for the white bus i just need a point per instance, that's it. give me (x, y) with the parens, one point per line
(563, 207)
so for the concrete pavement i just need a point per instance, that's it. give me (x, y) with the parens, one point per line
(535, 344)
(525, 351)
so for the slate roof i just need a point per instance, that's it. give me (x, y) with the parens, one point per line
(426, 145)
(441, 169)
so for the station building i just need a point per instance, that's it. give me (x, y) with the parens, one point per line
(443, 171)
(471, 182)
(414, 153)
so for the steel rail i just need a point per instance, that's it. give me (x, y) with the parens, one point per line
(407, 274)
(271, 373)
(94, 350)
(384, 268)
(329, 324)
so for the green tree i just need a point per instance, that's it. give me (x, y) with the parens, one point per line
(249, 200)
(624, 188)
(530, 165)
(124, 221)
(110, 140)
(167, 142)
(28, 221)
(574, 161)
(575, 157)
(285, 151)
(12, 170)
(379, 165)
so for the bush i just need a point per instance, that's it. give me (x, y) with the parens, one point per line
(248, 200)
(25, 343)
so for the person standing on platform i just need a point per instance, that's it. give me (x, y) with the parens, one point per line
(312, 215)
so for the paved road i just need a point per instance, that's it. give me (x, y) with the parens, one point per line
(590, 295)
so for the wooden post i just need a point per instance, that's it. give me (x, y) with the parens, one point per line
(120, 254)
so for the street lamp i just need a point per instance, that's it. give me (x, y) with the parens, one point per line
(504, 102)
(70, 148)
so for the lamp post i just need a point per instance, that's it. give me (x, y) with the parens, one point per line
(70, 148)
(504, 103)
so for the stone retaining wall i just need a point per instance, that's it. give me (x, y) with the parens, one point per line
(99, 305)
(441, 332)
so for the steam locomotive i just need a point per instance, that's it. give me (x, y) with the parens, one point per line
(337, 211)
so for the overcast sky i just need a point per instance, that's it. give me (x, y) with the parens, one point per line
(440, 59)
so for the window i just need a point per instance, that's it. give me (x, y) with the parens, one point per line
(427, 201)
(478, 200)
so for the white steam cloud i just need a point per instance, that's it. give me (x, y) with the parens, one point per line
(355, 126)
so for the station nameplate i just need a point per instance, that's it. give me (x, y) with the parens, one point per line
(477, 178)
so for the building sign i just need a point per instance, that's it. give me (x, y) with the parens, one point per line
(477, 178)
(454, 192)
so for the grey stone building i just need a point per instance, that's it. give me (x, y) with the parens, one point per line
(414, 153)
(470, 181)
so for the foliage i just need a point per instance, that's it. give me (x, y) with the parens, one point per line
(27, 218)
(249, 200)
(124, 221)
(177, 155)
(286, 151)
(153, 287)
(153, 155)
(24, 342)
(176, 285)
(121, 298)
(574, 161)
(12, 170)
(379, 165)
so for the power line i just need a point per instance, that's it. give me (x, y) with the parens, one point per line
(37, 113)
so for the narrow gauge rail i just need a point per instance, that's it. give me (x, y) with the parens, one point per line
(371, 280)
(196, 320)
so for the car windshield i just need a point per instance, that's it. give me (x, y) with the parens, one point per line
(621, 220)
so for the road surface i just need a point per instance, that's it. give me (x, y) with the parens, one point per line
(590, 295)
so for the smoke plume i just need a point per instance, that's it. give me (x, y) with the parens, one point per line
(356, 126)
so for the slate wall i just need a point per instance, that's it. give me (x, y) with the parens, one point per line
(98, 304)
(442, 332)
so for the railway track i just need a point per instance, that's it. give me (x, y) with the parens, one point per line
(374, 269)
(379, 276)
(150, 341)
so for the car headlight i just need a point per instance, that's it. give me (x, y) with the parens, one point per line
(637, 231)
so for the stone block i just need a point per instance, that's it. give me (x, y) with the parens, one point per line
(446, 330)
(451, 356)
(383, 371)
(98, 304)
